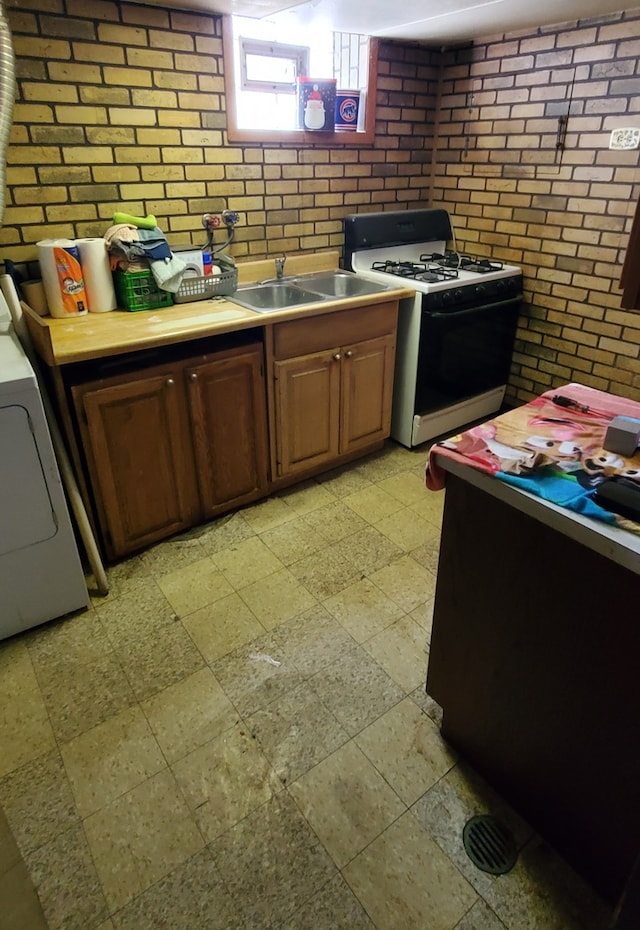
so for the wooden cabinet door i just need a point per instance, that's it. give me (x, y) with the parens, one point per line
(137, 436)
(367, 388)
(229, 423)
(307, 398)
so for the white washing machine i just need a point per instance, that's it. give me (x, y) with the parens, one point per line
(41, 575)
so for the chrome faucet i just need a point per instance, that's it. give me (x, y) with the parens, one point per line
(280, 267)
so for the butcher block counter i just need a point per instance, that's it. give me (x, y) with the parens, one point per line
(178, 415)
(534, 659)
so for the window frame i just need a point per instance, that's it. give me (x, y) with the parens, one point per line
(297, 53)
(297, 136)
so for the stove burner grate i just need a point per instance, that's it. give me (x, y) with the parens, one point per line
(462, 261)
(428, 271)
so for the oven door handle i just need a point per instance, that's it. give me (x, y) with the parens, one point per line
(516, 300)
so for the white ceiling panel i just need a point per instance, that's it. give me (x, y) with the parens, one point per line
(434, 22)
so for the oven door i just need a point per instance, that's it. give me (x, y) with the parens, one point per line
(464, 352)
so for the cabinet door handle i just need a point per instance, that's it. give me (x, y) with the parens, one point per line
(193, 376)
(348, 353)
(337, 357)
(170, 382)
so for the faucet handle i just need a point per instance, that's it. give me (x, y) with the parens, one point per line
(280, 265)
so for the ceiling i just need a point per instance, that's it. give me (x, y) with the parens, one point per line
(437, 22)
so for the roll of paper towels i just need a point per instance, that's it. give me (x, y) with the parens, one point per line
(98, 280)
(62, 277)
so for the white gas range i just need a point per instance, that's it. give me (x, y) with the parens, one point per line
(456, 336)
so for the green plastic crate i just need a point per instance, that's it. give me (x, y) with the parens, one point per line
(137, 290)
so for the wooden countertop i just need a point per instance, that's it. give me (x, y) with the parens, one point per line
(98, 335)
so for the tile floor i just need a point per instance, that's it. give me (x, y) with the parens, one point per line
(238, 736)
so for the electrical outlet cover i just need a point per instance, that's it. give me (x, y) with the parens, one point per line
(624, 139)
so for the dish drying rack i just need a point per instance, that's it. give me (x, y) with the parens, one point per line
(222, 284)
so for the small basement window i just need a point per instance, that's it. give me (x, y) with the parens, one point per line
(261, 78)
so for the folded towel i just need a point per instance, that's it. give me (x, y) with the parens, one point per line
(154, 242)
(168, 273)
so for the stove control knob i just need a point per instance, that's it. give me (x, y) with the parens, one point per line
(480, 290)
(501, 285)
(447, 298)
(458, 295)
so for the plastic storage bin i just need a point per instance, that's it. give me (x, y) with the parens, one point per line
(137, 290)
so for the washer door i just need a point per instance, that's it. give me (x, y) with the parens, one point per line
(27, 512)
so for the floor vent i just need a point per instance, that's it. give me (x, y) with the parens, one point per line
(489, 844)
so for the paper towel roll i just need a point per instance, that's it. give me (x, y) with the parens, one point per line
(62, 277)
(98, 280)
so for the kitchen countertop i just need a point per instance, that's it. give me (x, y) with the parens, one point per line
(98, 335)
(613, 542)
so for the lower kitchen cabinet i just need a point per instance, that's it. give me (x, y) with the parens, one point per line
(332, 388)
(173, 444)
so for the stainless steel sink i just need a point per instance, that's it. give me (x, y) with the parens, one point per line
(264, 298)
(342, 284)
(316, 288)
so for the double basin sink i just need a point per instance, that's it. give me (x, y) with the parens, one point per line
(289, 293)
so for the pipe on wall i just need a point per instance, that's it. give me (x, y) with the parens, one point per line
(7, 95)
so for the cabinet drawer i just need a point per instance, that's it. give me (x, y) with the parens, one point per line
(313, 334)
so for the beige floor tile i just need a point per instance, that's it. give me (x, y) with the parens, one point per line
(407, 749)
(405, 582)
(363, 609)
(356, 689)
(141, 837)
(423, 616)
(38, 802)
(224, 780)
(307, 496)
(76, 638)
(225, 533)
(389, 460)
(222, 627)
(373, 504)
(277, 598)
(111, 759)
(162, 658)
(67, 882)
(325, 573)
(312, 641)
(335, 521)
(250, 679)
(408, 530)
(191, 897)
(135, 614)
(248, 562)
(171, 555)
(347, 802)
(295, 732)
(189, 714)
(80, 695)
(121, 578)
(334, 907)
(25, 730)
(541, 892)
(367, 550)
(431, 506)
(480, 917)
(403, 872)
(340, 482)
(428, 554)
(272, 862)
(406, 487)
(400, 651)
(450, 803)
(267, 514)
(293, 541)
(194, 586)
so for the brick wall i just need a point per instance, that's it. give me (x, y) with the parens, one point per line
(122, 106)
(564, 215)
